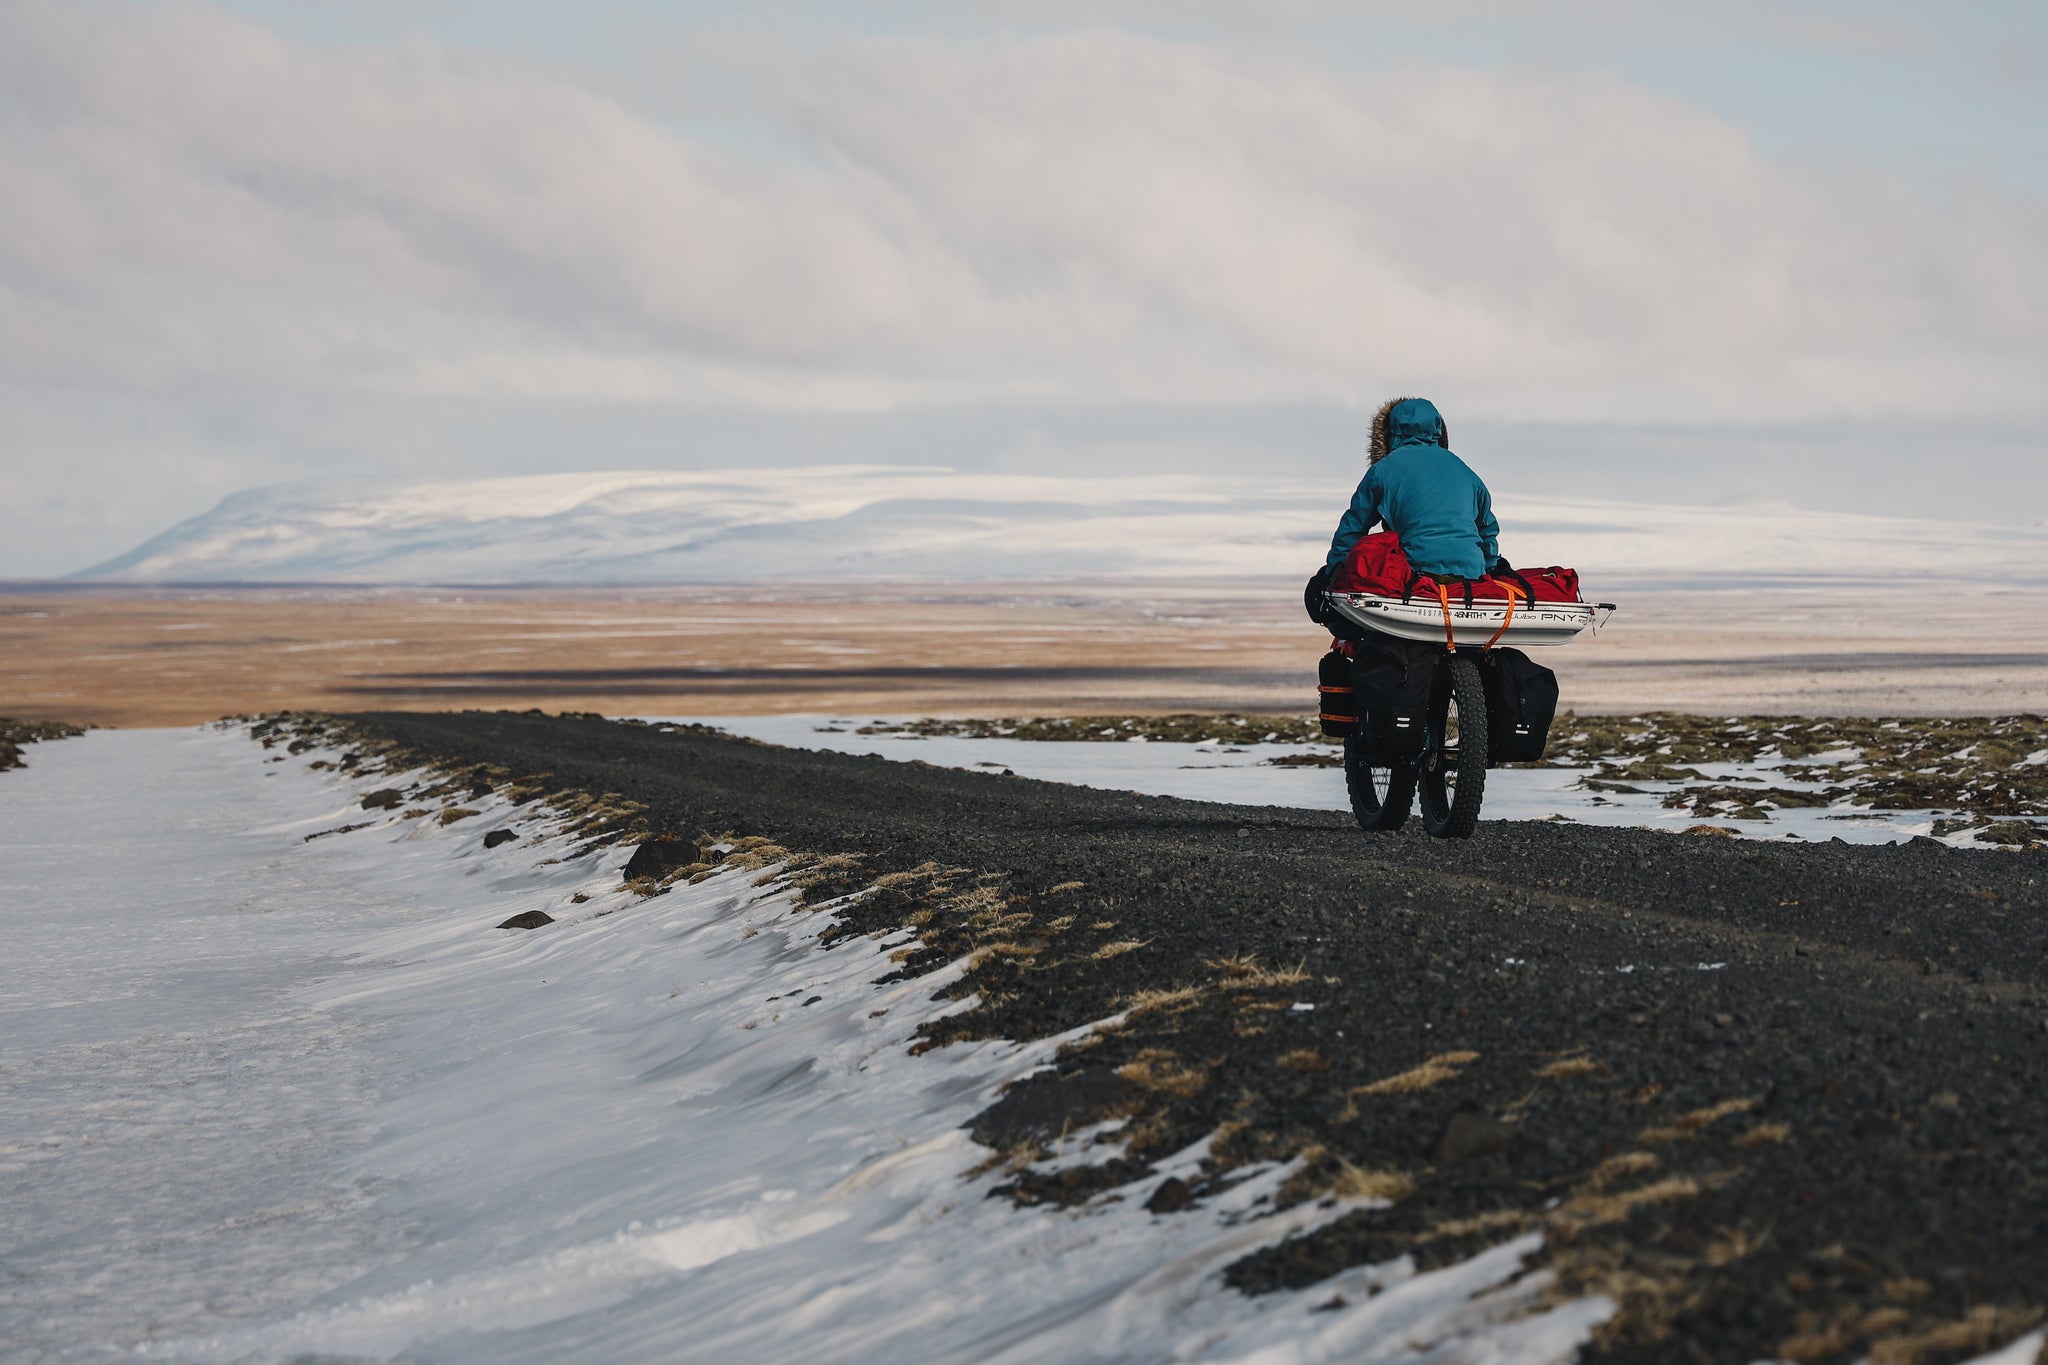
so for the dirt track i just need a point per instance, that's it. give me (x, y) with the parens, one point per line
(1781, 1101)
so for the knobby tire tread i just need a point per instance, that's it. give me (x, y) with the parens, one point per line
(1373, 814)
(1446, 813)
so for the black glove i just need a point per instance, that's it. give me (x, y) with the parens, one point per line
(1312, 595)
(1504, 572)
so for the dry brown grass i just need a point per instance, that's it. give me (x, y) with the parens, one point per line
(1691, 1124)
(1159, 1070)
(1648, 1302)
(817, 869)
(1565, 1068)
(1818, 1338)
(1118, 948)
(987, 908)
(1599, 1209)
(1320, 1175)
(1981, 1329)
(1224, 1140)
(1764, 1134)
(1011, 1160)
(1306, 1060)
(1622, 1166)
(1176, 1000)
(922, 875)
(1243, 972)
(1481, 1224)
(1731, 1245)
(1444, 1066)
(1355, 1182)
(1003, 952)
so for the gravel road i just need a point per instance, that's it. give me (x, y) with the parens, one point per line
(1780, 1101)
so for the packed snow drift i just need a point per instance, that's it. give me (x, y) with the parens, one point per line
(280, 1088)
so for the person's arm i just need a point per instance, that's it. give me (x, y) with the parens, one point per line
(1357, 520)
(1489, 529)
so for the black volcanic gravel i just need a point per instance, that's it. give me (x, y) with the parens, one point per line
(1780, 1100)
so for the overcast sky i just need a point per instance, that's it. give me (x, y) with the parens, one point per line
(1704, 252)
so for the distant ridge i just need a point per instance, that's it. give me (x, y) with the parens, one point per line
(853, 522)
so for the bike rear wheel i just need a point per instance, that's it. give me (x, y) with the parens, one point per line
(1382, 792)
(1453, 776)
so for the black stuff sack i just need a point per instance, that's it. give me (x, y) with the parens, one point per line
(1336, 702)
(1521, 701)
(1393, 677)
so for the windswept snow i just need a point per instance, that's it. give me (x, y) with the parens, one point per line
(880, 522)
(275, 1098)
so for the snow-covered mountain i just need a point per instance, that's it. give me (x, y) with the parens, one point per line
(898, 523)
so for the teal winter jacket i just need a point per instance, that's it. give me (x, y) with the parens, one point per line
(1423, 493)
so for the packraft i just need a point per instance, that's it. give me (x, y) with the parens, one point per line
(1377, 589)
(1376, 565)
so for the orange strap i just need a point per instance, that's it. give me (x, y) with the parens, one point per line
(1450, 641)
(1506, 623)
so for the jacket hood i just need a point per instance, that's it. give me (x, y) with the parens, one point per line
(1407, 421)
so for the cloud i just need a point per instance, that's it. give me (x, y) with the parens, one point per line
(1545, 245)
(194, 201)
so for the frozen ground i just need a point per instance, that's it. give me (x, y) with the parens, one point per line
(1242, 775)
(275, 1098)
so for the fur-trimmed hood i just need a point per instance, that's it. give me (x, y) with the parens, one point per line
(1407, 421)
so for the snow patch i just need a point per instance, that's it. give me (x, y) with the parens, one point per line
(1241, 775)
(664, 1129)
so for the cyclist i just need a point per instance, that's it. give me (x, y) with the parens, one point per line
(1425, 495)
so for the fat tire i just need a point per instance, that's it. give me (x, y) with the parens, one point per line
(1374, 814)
(1452, 812)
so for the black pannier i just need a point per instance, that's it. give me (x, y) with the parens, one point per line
(1521, 701)
(1336, 702)
(1393, 678)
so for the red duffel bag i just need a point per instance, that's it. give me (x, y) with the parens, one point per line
(1376, 565)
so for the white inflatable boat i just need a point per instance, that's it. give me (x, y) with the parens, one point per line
(1424, 618)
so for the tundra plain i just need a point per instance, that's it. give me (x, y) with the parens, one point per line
(173, 656)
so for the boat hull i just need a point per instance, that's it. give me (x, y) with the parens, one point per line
(1540, 623)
